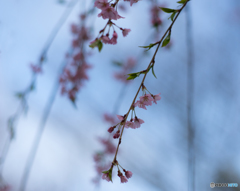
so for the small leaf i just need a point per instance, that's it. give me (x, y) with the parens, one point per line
(153, 72)
(133, 75)
(100, 45)
(97, 43)
(172, 16)
(110, 174)
(105, 172)
(149, 46)
(182, 1)
(167, 10)
(166, 40)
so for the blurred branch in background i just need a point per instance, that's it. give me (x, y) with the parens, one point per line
(190, 101)
(23, 96)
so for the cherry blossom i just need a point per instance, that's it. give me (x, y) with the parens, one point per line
(116, 135)
(130, 124)
(106, 39)
(138, 122)
(109, 13)
(109, 146)
(111, 129)
(120, 117)
(140, 104)
(146, 99)
(128, 174)
(101, 4)
(36, 69)
(114, 38)
(106, 177)
(156, 98)
(109, 118)
(125, 32)
(123, 179)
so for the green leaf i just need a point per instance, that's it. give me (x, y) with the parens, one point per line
(172, 16)
(100, 45)
(133, 75)
(182, 1)
(153, 72)
(110, 174)
(97, 43)
(167, 10)
(149, 46)
(166, 40)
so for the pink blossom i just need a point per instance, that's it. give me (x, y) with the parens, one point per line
(116, 135)
(109, 146)
(138, 122)
(156, 21)
(114, 38)
(120, 117)
(101, 4)
(130, 124)
(78, 56)
(74, 29)
(128, 174)
(132, 1)
(109, 13)
(140, 104)
(121, 76)
(131, 62)
(110, 130)
(106, 40)
(106, 177)
(123, 179)
(97, 157)
(112, 120)
(146, 99)
(156, 98)
(36, 69)
(125, 32)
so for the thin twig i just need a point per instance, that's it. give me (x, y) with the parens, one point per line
(141, 84)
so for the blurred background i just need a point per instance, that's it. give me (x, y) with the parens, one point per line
(158, 152)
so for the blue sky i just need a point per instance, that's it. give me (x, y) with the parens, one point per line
(157, 152)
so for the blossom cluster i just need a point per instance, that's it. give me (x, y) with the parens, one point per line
(107, 175)
(109, 149)
(155, 18)
(133, 123)
(109, 11)
(36, 69)
(100, 157)
(74, 74)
